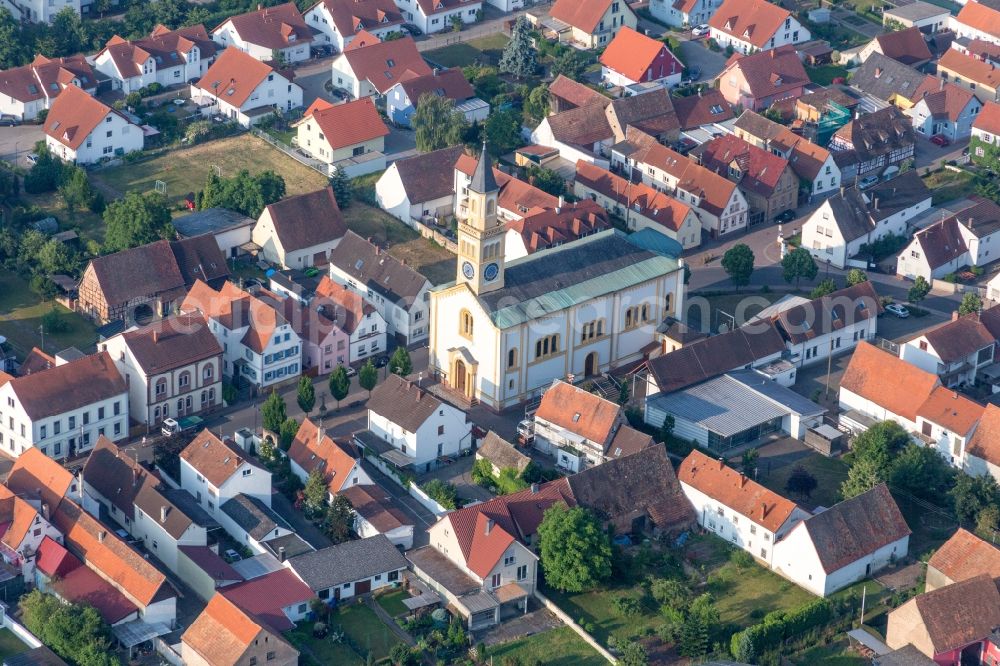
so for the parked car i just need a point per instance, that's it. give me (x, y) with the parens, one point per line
(867, 182)
(898, 310)
(7, 120)
(939, 140)
(700, 30)
(32, 158)
(351, 372)
(691, 74)
(232, 555)
(381, 361)
(785, 217)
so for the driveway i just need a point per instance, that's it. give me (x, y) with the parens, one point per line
(930, 155)
(16, 142)
(312, 82)
(422, 518)
(459, 474)
(400, 143)
(694, 54)
(303, 527)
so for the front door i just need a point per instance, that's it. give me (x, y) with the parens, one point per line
(590, 365)
(460, 377)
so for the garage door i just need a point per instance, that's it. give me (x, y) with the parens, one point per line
(363, 586)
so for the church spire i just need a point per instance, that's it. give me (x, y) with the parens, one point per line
(483, 180)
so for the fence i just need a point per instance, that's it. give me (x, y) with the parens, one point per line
(427, 501)
(291, 152)
(433, 234)
(19, 629)
(168, 653)
(562, 615)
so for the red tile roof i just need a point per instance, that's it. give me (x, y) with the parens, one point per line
(170, 343)
(69, 386)
(508, 517)
(314, 218)
(951, 410)
(213, 458)
(222, 632)
(988, 119)
(736, 491)
(888, 381)
(46, 77)
(35, 475)
(515, 195)
(234, 76)
(981, 17)
(313, 449)
(272, 27)
(706, 107)
(55, 561)
(548, 228)
(753, 21)
(959, 614)
(266, 596)
(447, 83)
(581, 412)
(985, 442)
(83, 586)
(632, 54)
(73, 116)
(377, 507)
(944, 100)
(347, 307)
(582, 14)
(362, 39)
(761, 170)
(353, 16)
(234, 308)
(347, 124)
(17, 516)
(769, 73)
(643, 199)
(110, 557)
(575, 93)
(966, 556)
(163, 46)
(906, 46)
(386, 63)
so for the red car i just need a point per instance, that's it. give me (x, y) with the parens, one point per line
(939, 140)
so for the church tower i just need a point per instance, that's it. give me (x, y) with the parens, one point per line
(481, 232)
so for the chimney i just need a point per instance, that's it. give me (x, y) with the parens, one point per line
(534, 489)
(875, 202)
(842, 188)
(436, 70)
(281, 553)
(970, 221)
(163, 514)
(489, 526)
(722, 464)
(100, 536)
(954, 315)
(156, 336)
(45, 510)
(763, 509)
(743, 480)
(941, 87)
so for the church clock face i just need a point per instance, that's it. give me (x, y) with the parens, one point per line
(491, 272)
(468, 270)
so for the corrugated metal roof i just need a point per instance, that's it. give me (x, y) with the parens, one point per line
(727, 405)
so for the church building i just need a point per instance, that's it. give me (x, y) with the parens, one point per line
(503, 331)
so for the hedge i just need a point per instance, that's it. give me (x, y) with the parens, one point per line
(779, 625)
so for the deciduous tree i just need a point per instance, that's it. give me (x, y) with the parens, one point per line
(340, 384)
(136, 219)
(921, 287)
(339, 520)
(856, 276)
(368, 377)
(575, 549)
(273, 412)
(306, 394)
(400, 362)
(315, 492)
(971, 303)
(799, 264)
(436, 124)
(738, 264)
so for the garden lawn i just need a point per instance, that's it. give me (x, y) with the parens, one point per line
(836, 654)
(10, 644)
(186, 170)
(392, 601)
(744, 305)
(949, 185)
(830, 473)
(825, 74)
(597, 608)
(486, 50)
(556, 647)
(21, 312)
(430, 259)
(90, 226)
(320, 651)
(365, 629)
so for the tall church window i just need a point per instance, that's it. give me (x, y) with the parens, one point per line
(491, 207)
(512, 358)
(466, 324)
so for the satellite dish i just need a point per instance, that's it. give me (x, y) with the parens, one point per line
(2, 339)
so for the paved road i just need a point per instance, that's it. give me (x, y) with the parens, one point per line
(302, 526)
(694, 54)
(19, 141)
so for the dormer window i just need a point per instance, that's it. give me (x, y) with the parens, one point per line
(390, 62)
